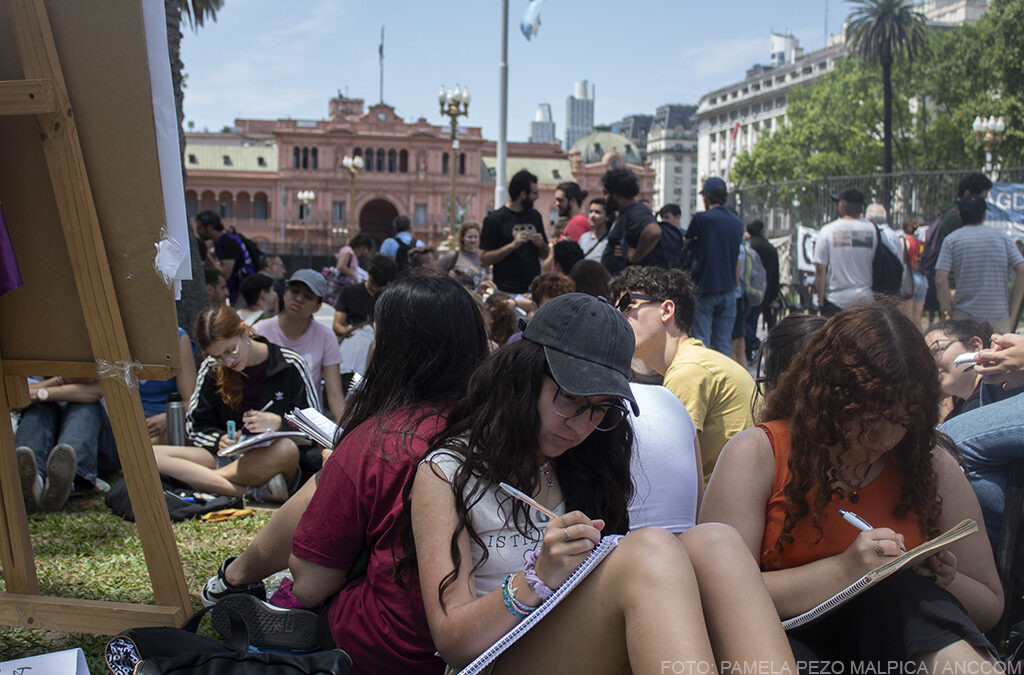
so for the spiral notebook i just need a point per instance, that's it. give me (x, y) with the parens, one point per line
(606, 546)
(911, 557)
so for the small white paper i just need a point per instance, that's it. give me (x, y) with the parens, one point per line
(67, 662)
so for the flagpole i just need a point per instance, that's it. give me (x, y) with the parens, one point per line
(380, 52)
(500, 179)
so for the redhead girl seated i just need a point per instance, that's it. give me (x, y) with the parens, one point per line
(251, 383)
(548, 415)
(851, 426)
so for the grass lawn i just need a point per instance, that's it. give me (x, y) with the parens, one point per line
(88, 552)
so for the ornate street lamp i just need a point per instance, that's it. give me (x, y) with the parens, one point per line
(354, 166)
(454, 103)
(989, 132)
(306, 197)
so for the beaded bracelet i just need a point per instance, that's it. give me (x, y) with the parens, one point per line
(539, 587)
(514, 606)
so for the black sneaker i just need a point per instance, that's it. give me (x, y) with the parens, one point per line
(31, 481)
(60, 477)
(269, 627)
(217, 587)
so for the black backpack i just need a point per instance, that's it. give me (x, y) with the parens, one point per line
(932, 244)
(179, 651)
(253, 249)
(183, 502)
(886, 268)
(402, 253)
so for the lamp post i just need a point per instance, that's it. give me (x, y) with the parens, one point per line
(454, 103)
(306, 198)
(354, 166)
(989, 132)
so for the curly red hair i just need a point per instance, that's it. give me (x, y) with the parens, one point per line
(868, 363)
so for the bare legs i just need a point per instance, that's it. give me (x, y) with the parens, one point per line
(268, 552)
(198, 467)
(644, 609)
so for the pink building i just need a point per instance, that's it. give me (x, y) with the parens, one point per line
(252, 174)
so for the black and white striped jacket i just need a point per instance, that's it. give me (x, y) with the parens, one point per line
(287, 383)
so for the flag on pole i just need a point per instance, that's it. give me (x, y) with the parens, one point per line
(531, 19)
(380, 49)
(10, 277)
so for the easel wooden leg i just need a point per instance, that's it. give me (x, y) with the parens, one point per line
(15, 544)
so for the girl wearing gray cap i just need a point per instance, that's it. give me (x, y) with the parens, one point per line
(547, 416)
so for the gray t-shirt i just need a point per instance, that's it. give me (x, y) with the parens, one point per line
(847, 247)
(979, 259)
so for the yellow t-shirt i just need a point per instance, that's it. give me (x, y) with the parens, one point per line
(716, 391)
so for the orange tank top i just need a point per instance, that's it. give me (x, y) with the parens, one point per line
(876, 503)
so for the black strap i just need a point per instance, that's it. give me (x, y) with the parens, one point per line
(238, 634)
(597, 243)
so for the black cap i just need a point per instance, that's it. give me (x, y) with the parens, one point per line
(588, 345)
(851, 195)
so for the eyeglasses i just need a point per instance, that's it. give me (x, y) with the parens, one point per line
(938, 347)
(603, 416)
(629, 298)
(230, 355)
(303, 290)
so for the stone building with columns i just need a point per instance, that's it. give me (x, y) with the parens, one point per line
(251, 175)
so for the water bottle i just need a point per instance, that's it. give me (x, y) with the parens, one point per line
(176, 420)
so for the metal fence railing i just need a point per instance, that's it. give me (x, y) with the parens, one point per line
(784, 205)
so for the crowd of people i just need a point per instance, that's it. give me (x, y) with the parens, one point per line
(601, 367)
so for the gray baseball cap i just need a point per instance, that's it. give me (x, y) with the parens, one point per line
(588, 345)
(311, 278)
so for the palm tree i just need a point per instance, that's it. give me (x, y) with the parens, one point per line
(877, 31)
(193, 293)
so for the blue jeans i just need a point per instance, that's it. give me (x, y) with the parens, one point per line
(83, 426)
(714, 319)
(990, 437)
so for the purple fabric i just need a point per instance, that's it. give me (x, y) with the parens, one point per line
(10, 277)
(284, 597)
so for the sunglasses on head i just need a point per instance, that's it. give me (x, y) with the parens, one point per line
(628, 298)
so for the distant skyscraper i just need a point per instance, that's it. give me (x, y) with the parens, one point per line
(579, 112)
(542, 128)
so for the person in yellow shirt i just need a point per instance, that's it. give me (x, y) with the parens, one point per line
(717, 392)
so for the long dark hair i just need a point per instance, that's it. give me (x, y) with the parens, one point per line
(867, 363)
(496, 427)
(429, 339)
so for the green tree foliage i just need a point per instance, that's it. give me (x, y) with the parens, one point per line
(835, 127)
(878, 32)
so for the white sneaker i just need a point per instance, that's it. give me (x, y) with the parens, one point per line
(274, 491)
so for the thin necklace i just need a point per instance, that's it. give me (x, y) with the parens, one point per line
(545, 469)
(854, 496)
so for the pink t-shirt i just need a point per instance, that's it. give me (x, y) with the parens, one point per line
(317, 345)
(576, 226)
(357, 506)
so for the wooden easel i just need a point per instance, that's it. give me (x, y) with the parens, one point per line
(44, 94)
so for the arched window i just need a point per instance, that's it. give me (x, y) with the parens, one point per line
(225, 202)
(295, 157)
(358, 152)
(369, 160)
(392, 161)
(444, 163)
(260, 206)
(313, 161)
(305, 158)
(380, 159)
(462, 164)
(403, 161)
(191, 203)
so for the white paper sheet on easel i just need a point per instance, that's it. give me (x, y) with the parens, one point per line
(165, 118)
(68, 662)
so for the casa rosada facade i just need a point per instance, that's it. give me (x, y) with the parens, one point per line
(252, 174)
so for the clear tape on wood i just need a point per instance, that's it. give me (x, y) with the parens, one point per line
(125, 372)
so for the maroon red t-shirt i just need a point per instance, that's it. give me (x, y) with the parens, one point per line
(357, 504)
(576, 227)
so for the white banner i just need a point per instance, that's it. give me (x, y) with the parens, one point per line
(805, 238)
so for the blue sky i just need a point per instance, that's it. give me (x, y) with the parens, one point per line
(269, 60)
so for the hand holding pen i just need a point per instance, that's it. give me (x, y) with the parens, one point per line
(258, 421)
(568, 540)
(872, 546)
